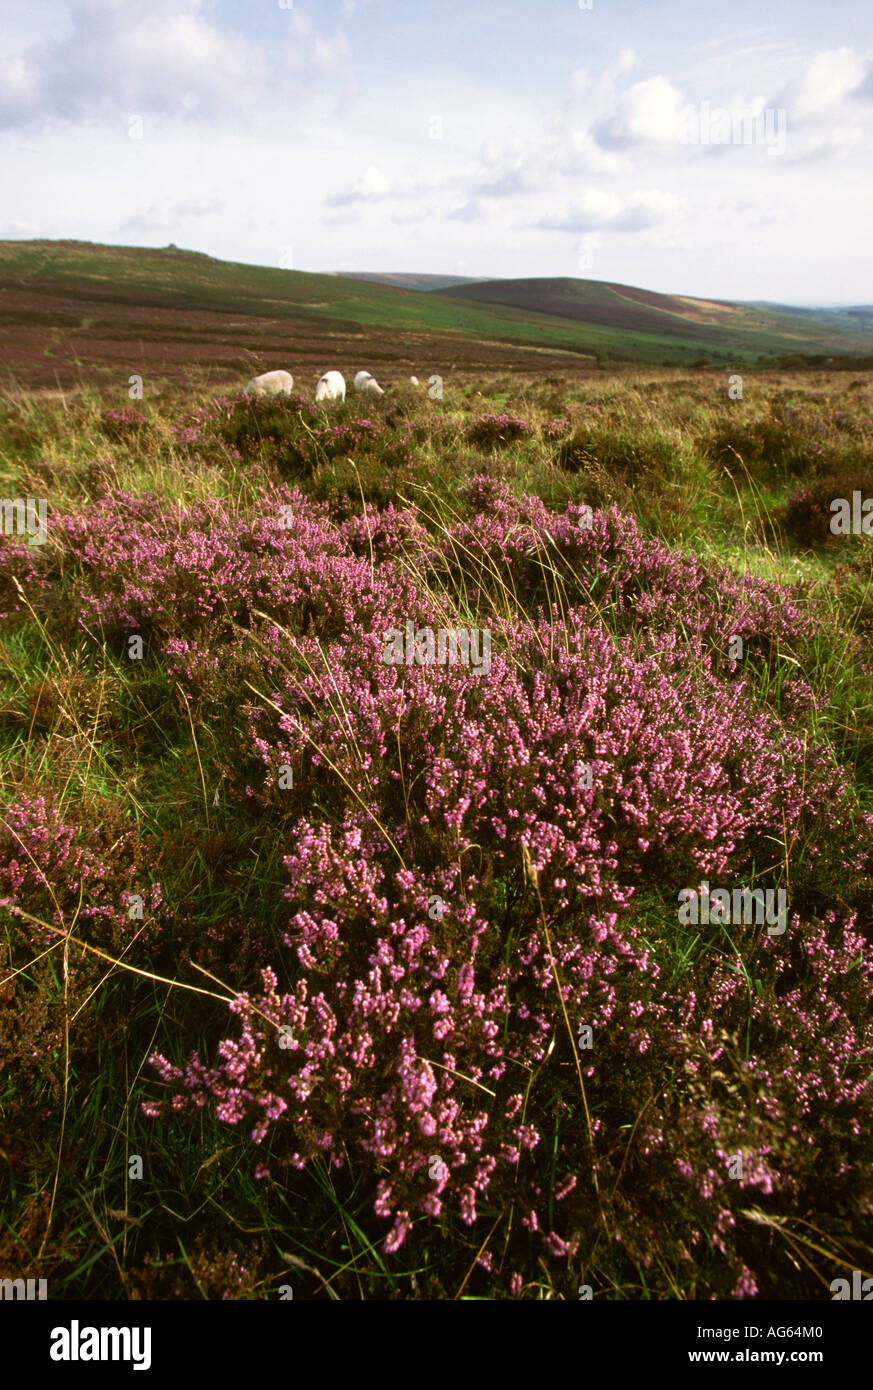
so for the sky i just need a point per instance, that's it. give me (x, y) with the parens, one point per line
(712, 150)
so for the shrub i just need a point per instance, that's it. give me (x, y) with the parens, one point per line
(492, 431)
(49, 870)
(275, 429)
(122, 425)
(405, 1035)
(404, 1038)
(555, 429)
(807, 516)
(608, 453)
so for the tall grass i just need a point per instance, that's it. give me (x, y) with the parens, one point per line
(148, 770)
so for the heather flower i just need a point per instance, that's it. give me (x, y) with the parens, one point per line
(416, 1036)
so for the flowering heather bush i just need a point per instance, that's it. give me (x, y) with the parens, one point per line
(398, 1021)
(293, 434)
(412, 1033)
(467, 868)
(388, 532)
(279, 428)
(147, 566)
(491, 430)
(46, 873)
(187, 434)
(554, 429)
(123, 424)
(633, 578)
(460, 901)
(24, 565)
(365, 437)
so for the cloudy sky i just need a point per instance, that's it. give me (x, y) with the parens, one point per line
(714, 150)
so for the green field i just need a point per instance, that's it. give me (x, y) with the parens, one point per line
(613, 323)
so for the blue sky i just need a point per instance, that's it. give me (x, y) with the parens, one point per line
(709, 150)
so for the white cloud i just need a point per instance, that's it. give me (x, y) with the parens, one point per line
(408, 216)
(165, 59)
(147, 222)
(19, 88)
(627, 59)
(329, 51)
(468, 211)
(596, 209)
(506, 183)
(586, 156)
(202, 207)
(266, 127)
(648, 112)
(836, 145)
(829, 79)
(370, 187)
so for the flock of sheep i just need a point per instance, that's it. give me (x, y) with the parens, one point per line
(331, 387)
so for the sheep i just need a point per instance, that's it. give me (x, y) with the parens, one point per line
(367, 385)
(331, 387)
(271, 384)
(413, 381)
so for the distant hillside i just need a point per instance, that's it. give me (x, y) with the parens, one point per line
(408, 281)
(718, 323)
(846, 318)
(67, 308)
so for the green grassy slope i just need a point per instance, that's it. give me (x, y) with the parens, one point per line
(849, 318)
(408, 280)
(613, 322)
(714, 324)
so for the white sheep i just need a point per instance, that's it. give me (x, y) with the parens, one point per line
(368, 387)
(413, 380)
(271, 384)
(331, 387)
(361, 378)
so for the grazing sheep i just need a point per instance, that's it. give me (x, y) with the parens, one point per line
(367, 385)
(271, 384)
(370, 388)
(331, 387)
(413, 381)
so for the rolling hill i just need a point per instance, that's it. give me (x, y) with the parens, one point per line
(408, 281)
(849, 318)
(70, 309)
(624, 308)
